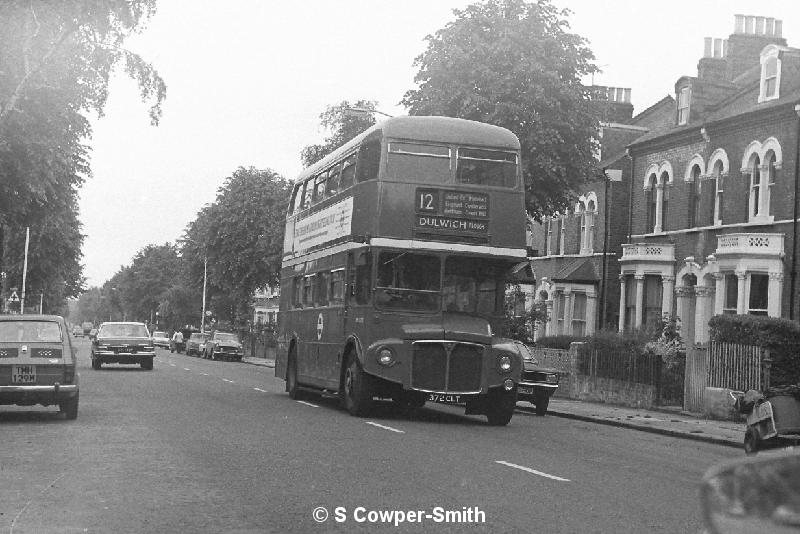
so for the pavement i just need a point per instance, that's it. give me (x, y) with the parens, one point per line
(673, 423)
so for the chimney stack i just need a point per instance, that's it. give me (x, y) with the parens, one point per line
(614, 103)
(750, 35)
(713, 64)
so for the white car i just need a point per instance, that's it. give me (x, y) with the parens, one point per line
(160, 339)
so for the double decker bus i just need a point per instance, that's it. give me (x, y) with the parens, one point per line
(397, 250)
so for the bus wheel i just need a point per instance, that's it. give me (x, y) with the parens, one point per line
(291, 377)
(357, 388)
(500, 407)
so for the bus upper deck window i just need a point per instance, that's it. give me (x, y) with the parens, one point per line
(369, 159)
(297, 197)
(486, 167)
(309, 185)
(334, 185)
(319, 186)
(415, 162)
(348, 170)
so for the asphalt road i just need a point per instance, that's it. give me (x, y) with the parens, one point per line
(204, 446)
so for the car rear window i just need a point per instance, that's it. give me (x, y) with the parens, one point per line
(122, 330)
(30, 331)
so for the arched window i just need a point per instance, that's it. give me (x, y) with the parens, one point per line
(719, 183)
(591, 210)
(664, 199)
(650, 200)
(694, 196)
(580, 214)
(754, 192)
(768, 177)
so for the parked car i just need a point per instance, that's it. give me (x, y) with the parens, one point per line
(126, 343)
(93, 333)
(160, 339)
(223, 346)
(538, 383)
(38, 363)
(86, 326)
(77, 331)
(196, 344)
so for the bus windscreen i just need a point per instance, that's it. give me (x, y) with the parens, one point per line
(408, 281)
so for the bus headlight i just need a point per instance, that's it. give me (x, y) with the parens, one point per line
(385, 356)
(504, 364)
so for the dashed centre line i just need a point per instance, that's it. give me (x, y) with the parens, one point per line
(186, 369)
(532, 471)
(261, 390)
(386, 427)
(229, 381)
(306, 403)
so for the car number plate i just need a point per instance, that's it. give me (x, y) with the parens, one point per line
(23, 374)
(444, 399)
(524, 390)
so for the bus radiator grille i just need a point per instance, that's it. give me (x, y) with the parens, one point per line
(430, 370)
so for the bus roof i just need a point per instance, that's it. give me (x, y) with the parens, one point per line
(435, 129)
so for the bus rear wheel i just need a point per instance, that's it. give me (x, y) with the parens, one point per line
(356, 389)
(291, 377)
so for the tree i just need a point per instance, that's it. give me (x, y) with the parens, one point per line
(55, 62)
(241, 235)
(514, 64)
(343, 122)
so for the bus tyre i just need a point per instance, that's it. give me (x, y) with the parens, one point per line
(500, 407)
(291, 377)
(357, 388)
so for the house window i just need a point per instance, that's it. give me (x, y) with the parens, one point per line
(652, 299)
(589, 223)
(759, 292)
(664, 200)
(630, 302)
(755, 189)
(694, 196)
(579, 314)
(730, 305)
(719, 182)
(561, 304)
(580, 213)
(683, 105)
(770, 78)
(650, 200)
(769, 181)
(548, 236)
(562, 233)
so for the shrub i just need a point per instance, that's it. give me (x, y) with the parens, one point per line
(557, 342)
(780, 336)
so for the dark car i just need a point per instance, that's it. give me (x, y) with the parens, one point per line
(196, 344)
(38, 363)
(223, 346)
(538, 383)
(127, 343)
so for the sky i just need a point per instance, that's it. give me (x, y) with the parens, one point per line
(248, 79)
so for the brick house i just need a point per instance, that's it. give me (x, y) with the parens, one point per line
(574, 254)
(714, 192)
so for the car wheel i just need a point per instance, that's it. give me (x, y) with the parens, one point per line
(147, 365)
(541, 405)
(96, 364)
(357, 388)
(750, 441)
(292, 386)
(500, 407)
(70, 408)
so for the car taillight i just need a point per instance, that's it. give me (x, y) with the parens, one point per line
(69, 374)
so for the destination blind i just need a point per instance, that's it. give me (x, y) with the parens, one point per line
(441, 210)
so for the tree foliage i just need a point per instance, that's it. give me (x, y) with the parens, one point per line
(241, 235)
(514, 63)
(56, 59)
(343, 122)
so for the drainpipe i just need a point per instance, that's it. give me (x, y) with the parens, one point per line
(605, 255)
(793, 274)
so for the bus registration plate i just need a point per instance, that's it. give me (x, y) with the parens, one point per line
(444, 399)
(23, 374)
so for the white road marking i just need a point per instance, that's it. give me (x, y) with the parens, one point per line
(22, 511)
(306, 403)
(173, 365)
(203, 374)
(532, 471)
(385, 427)
(261, 390)
(186, 369)
(226, 380)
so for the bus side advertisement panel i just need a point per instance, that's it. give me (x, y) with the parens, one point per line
(323, 226)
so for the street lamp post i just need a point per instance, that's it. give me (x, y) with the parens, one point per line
(205, 280)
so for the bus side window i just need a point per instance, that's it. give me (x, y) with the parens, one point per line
(333, 183)
(309, 185)
(348, 171)
(335, 176)
(362, 286)
(297, 197)
(321, 289)
(337, 286)
(319, 186)
(369, 158)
